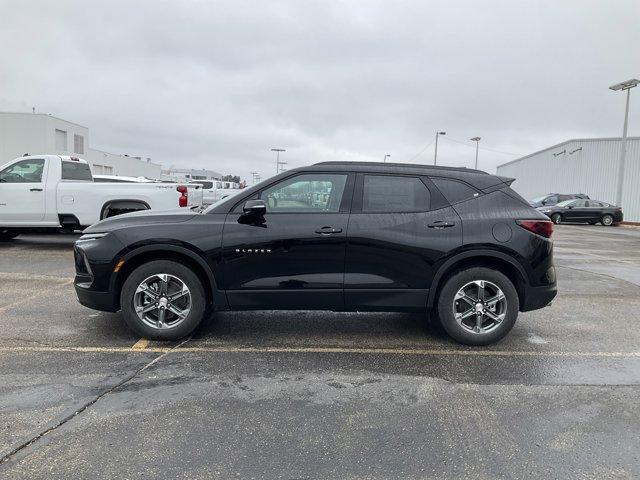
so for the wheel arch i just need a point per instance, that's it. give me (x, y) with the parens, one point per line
(123, 203)
(174, 253)
(499, 261)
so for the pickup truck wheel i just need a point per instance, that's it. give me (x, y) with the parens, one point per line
(8, 235)
(478, 306)
(163, 300)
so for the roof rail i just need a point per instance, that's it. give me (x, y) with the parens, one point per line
(407, 165)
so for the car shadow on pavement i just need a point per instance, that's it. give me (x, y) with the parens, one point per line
(320, 328)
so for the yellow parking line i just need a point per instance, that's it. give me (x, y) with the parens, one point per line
(141, 344)
(347, 350)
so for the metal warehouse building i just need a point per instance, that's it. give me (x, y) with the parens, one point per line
(587, 165)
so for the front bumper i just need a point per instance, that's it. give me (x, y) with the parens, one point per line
(103, 301)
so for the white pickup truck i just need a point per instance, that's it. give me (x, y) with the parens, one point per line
(57, 192)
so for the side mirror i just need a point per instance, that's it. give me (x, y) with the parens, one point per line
(255, 207)
(569, 207)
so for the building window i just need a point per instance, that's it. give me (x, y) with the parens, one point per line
(61, 141)
(108, 170)
(78, 144)
(97, 169)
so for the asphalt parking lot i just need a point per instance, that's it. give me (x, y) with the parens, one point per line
(323, 395)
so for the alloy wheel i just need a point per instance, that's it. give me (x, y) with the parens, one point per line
(480, 306)
(162, 301)
(607, 220)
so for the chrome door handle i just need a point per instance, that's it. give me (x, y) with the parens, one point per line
(439, 224)
(328, 230)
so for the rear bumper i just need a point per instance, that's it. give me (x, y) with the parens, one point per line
(538, 297)
(102, 301)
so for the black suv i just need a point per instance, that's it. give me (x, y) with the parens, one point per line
(342, 236)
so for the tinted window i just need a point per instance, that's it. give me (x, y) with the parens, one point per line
(580, 203)
(562, 198)
(386, 193)
(318, 192)
(26, 171)
(455, 191)
(76, 171)
(552, 200)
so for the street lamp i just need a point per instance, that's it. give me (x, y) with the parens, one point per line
(435, 155)
(385, 158)
(628, 85)
(278, 162)
(477, 140)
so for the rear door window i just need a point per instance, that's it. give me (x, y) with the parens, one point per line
(387, 193)
(455, 191)
(76, 171)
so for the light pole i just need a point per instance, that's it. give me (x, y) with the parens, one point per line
(254, 175)
(477, 140)
(278, 162)
(385, 158)
(435, 155)
(628, 85)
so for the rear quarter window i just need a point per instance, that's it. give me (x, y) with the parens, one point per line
(76, 171)
(455, 191)
(387, 194)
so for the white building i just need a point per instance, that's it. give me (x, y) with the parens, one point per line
(588, 165)
(39, 133)
(188, 174)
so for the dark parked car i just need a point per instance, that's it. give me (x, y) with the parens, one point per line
(584, 211)
(376, 237)
(555, 198)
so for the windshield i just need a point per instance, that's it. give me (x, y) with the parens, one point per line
(565, 203)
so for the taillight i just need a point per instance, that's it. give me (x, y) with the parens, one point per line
(184, 195)
(544, 228)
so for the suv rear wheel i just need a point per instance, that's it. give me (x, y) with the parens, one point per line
(163, 300)
(478, 306)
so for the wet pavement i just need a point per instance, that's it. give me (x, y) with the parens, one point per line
(323, 395)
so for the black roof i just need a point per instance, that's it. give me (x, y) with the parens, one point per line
(393, 166)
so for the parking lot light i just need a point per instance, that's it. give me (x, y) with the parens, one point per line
(628, 85)
(477, 140)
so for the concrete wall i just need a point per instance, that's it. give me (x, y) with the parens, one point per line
(592, 168)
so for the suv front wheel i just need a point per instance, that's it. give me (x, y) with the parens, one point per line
(163, 300)
(478, 306)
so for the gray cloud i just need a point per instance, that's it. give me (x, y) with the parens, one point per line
(217, 84)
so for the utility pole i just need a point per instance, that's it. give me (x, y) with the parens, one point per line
(628, 85)
(254, 176)
(477, 140)
(435, 155)
(278, 162)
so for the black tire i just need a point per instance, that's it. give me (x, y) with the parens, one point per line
(446, 306)
(556, 218)
(8, 235)
(607, 220)
(183, 273)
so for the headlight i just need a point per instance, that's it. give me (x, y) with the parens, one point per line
(546, 211)
(91, 236)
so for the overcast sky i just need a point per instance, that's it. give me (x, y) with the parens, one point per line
(208, 84)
